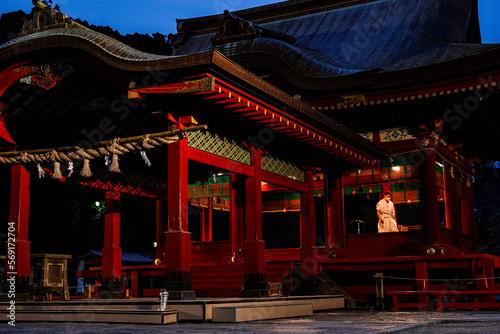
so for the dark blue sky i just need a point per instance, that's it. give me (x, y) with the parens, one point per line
(150, 16)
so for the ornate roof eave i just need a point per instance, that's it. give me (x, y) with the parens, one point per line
(123, 57)
(444, 79)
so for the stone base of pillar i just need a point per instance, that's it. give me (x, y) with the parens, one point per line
(255, 286)
(178, 285)
(254, 293)
(111, 288)
(300, 284)
(306, 286)
(16, 287)
(182, 295)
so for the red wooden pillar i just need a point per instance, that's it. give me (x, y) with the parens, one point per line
(451, 203)
(308, 256)
(134, 284)
(468, 216)
(335, 210)
(17, 238)
(429, 198)
(177, 239)
(233, 214)
(422, 276)
(112, 253)
(255, 284)
(206, 222)
(161, 228)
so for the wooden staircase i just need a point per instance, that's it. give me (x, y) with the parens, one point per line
(328, 287)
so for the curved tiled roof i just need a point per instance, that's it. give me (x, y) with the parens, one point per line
(314, 63)
(385, 35)
(110, 45)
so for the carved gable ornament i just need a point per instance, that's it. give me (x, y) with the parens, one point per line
(45, 17)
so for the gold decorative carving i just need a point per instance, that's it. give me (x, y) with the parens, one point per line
(352, 99)
(200, 85)
(46, 17)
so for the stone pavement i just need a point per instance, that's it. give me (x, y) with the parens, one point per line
(343, 321)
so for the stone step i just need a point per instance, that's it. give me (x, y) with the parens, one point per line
(261, 312)
(96, 316)
(188, 310)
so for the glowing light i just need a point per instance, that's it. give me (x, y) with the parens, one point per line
(97, 203)
(395, 168)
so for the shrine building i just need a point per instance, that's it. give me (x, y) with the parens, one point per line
(266, 139)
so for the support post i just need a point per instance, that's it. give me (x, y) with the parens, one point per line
(177, 239)
(308, 250)
(451, 203)
(161, 228)
(233, 214)
(422, 276)
(206, 221)
(379, 291)
(429, 198)
(335, 210)
(111, 253)
(18, 225)
(468, 215)
(255, 272)
(17, 247)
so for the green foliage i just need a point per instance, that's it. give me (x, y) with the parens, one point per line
(11, 24)
(157, 43)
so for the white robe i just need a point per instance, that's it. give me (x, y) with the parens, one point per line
(388, 223)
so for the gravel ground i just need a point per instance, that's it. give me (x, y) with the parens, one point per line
(325, 322)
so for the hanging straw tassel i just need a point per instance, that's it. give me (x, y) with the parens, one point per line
(57, 171)
(86, 169)
(114, 164)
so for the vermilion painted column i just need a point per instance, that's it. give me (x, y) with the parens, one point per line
(254, 245)
(334, 210)
(451, 203)
(206, 222)
(17, 238)
(161, 227)
(422, 276)
(468, 215)
(308, 256)
(233, 213)
(177, 239)
(429, 198)
(112, 253)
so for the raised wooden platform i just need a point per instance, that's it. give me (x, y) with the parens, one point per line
(145, 310)
(102, 315)
(262, 312)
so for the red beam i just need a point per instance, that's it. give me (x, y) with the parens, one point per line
(219, 162)
(283, 181)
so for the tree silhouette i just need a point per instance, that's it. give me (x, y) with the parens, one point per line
(157, 43)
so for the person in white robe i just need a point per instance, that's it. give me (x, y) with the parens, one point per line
(386, 215)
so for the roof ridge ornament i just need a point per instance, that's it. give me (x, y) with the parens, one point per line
(46, 17)
(235, 28)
